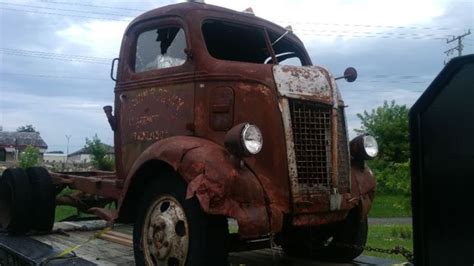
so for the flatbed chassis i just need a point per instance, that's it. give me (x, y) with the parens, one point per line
(107, 250)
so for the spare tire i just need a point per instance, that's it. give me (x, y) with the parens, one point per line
(15, 201)
(44, 197)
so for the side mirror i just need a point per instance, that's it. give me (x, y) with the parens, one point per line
(350, 74)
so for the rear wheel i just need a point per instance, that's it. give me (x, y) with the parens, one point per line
(340, 242)
(171, 230)
(15, 201)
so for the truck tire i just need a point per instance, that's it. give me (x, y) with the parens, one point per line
(340, 242)
(15, 201)
(173, 230)
(44, 197)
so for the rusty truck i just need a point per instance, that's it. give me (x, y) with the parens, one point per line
(218, 115)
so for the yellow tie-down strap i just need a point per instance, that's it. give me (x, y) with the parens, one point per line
(76, 247)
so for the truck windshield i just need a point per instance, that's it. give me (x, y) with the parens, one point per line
(235, 42)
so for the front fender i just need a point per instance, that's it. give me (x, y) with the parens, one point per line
(220, 184)
(363, 185)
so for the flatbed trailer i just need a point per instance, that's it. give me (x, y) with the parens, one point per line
(97, 246)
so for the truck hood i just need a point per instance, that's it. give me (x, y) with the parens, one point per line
(306, 82)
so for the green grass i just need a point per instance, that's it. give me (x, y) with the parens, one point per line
(390, 206)
(389, 236)
(63, 212)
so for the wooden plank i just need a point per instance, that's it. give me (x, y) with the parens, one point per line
(121, 235)
(119, 240)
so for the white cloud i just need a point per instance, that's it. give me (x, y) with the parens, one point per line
(100, 38)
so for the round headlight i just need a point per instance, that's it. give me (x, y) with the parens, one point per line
(370, 146)
(252, 139)
(244, 140)
(364, 147)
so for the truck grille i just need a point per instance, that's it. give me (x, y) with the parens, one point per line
(343, 154)
(311, 124)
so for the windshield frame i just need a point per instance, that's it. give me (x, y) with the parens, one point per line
(290, 38)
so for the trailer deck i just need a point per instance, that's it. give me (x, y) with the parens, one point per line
(114, 247)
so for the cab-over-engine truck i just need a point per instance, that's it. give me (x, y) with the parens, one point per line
(218, 114)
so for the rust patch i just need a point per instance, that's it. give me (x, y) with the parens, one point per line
(221, 186)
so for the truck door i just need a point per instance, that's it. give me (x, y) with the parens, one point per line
(155, 93)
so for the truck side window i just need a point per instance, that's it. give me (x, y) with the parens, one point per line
(235, 42)
(160, 48)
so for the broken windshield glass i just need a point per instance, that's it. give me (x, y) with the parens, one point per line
(160, 48)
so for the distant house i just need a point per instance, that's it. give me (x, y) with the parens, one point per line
(13, 143)
(54, 157)
(83, 156)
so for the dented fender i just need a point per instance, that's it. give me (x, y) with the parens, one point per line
(363, 184)
(215, 177)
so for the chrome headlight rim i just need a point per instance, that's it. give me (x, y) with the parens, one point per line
(244, 140)
(247, 141)
(371, 147)
(364, 147)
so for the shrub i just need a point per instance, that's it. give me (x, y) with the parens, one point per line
(98, 150)
(29, 157)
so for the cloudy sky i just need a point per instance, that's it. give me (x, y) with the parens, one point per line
(55, 54)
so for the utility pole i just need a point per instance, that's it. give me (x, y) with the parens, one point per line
(459, 47)
(67, 147)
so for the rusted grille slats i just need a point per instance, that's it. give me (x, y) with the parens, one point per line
(311, 124)
(343, 154)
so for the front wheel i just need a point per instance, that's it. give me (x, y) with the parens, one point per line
(171, 230)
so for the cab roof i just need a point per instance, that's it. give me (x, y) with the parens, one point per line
(187, 8)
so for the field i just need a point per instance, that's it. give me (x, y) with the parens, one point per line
(389, 236)
(390, 206)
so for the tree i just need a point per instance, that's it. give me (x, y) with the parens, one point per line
(98, 150)
(29, 157)
(27, 128)
(389, 125)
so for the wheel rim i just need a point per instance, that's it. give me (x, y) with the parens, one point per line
(165, 234)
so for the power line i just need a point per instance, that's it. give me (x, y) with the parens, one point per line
(421, 37)
(91, 5)
(394, 81)
(50, 76)
(65, 10)
(368, 25)
(59, 14)
(55, 56)
(374, 34)
(337, 33)
(415, 27)
(303, 32)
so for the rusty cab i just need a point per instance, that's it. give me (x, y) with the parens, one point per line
(221, 115)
